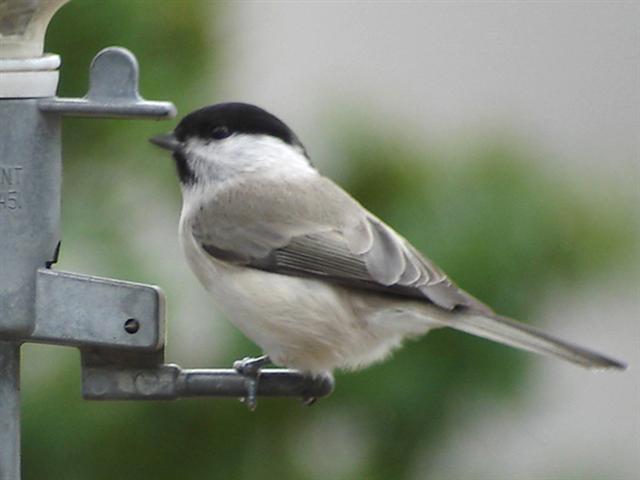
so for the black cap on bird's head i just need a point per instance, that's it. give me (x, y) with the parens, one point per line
(222, 120)
(217, 122)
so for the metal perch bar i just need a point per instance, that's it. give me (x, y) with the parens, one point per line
(273, 383)
(170, 382)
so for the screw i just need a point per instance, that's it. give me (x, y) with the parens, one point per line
(131, 326)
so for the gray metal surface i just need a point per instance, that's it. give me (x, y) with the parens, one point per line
(30, 182)
(87, 311)
(113, 91)
(273, 382)
(9, 411)
(170, 382)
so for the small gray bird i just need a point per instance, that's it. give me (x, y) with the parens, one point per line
(300, 267)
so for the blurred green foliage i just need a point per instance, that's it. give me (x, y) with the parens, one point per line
(172, 40)
(501, 227)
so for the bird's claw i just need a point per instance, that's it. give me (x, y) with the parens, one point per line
(251, 400)
(249, 368)
(308, 401)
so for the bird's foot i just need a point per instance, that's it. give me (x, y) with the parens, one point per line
(250, 369)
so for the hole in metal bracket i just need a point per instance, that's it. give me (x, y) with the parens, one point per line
(131, 326)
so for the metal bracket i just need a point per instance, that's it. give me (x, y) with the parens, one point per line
(86, 311)
(113, 91)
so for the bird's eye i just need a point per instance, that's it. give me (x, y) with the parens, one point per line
(220, 132)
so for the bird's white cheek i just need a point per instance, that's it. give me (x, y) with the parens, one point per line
(243, 154)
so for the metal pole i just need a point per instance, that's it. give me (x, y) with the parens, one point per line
(9, 411)
(30, 180)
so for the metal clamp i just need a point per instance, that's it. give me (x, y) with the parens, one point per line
(113, 91)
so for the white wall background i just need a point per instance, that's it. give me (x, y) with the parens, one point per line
(564, 74)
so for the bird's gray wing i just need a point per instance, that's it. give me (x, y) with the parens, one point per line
(314, 229)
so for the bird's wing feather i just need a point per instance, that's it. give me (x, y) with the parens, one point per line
(314, 229)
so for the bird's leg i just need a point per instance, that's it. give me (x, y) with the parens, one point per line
(250, 369)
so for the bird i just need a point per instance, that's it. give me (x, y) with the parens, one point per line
(306, 272)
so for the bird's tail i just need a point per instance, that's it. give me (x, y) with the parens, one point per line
(519, 335)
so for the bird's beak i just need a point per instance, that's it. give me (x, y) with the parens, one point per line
(168, 141)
